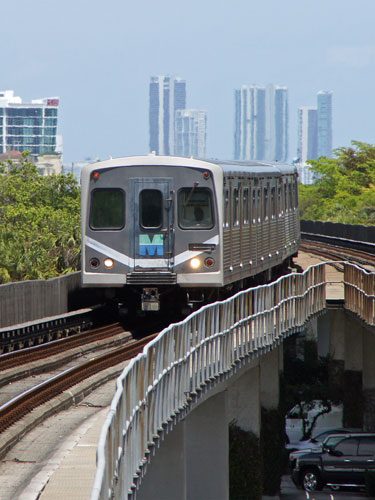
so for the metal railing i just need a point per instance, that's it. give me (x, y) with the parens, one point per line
(159, 386)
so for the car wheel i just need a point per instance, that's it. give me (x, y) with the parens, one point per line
(311, 480)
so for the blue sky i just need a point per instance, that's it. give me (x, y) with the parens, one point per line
(98, 58)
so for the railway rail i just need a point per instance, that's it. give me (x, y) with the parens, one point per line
(28, 355)
(332, 248)
(24, 403)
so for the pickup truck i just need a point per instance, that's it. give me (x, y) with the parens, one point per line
(343, 463)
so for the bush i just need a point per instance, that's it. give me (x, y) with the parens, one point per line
(245, 478)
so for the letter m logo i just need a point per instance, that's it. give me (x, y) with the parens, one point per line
(151, 247)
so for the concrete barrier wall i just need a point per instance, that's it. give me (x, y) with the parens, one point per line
(29, 300)
(346, 231)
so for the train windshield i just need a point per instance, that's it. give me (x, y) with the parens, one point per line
(107, 209)
(195, 208)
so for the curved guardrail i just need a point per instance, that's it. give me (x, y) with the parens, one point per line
(158, 387)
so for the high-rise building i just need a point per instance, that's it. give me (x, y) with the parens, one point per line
(167, 95)
(28, 126)
(307, 134)
(261, 123)
(191, 133)
(250, 123)
(324, 123)
(276, 123)
(314, 134)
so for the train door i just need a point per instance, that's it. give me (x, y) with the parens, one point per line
(152, 207)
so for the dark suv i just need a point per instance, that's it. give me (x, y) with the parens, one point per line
(342, 463)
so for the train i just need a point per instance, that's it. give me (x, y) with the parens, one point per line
(166, 232)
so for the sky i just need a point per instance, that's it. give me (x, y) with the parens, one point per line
(98, 57)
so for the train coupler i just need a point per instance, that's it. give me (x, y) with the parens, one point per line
(150, 299)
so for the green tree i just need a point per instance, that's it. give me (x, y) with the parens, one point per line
(40, 223)
(344, 188)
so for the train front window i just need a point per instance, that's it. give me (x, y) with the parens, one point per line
(151, 208)
(107, 209)
(195, 210)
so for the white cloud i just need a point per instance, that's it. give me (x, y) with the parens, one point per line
(353, 57)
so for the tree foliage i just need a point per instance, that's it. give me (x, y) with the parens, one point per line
(344, 190)
(40, 223)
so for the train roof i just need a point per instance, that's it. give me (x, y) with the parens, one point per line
(226, 166)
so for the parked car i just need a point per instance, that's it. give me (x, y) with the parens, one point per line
(317, 439)
(343, 461)
(316, 443)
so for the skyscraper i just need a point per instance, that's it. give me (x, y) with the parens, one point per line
(250, 122)
(261, 123)
(28, 126)
(307, 134)
(191, 132)
(314, 134)
(315, 129)
(167, 94)
(324, 123)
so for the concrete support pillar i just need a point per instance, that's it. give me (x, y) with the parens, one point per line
(244, 400)
(369, 381)
(270, 378)
(192, 461)
(331, 326)
(353, 344)
(352, 381)
(336, 325)
(207, 450)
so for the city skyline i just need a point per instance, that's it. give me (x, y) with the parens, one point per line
(98, 58)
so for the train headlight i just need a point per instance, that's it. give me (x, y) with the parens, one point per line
(108, 263)
(195, 263)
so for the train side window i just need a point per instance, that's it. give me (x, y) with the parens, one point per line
(253, 208)
(273, 202)
(246, 206)
(265, 204)
(286, 197)
(295, 192)
(195, 208)
(107, 210)
(150, 208)
(235, 221)
(279, 202)
(226, 208)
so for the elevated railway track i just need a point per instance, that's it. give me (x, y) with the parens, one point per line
(337, 248)
(15, 409)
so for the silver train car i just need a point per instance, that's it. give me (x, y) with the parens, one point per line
(161, 231)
